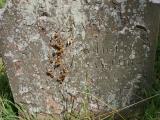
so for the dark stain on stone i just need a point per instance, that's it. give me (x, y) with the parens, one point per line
(141, 27)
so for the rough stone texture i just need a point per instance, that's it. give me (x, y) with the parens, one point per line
(107, 51)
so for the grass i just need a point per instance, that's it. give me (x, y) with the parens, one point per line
(152, 109)
(6, 108)
(2, 2)
(4, 86)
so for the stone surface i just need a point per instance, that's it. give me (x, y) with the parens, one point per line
(58, 52)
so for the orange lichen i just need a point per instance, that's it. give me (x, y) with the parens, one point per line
(56, 58)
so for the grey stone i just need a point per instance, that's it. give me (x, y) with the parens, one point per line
(59, 51)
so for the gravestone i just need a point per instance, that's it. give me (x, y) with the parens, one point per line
(58, 52)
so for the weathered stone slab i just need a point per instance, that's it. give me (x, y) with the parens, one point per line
(59, 51)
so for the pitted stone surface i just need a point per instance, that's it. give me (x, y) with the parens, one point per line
(111, 52)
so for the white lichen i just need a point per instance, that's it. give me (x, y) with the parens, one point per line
(9, 54)
(33, 109)
(44, 49)
(132, 55)
(155, 1)
(23, 89)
